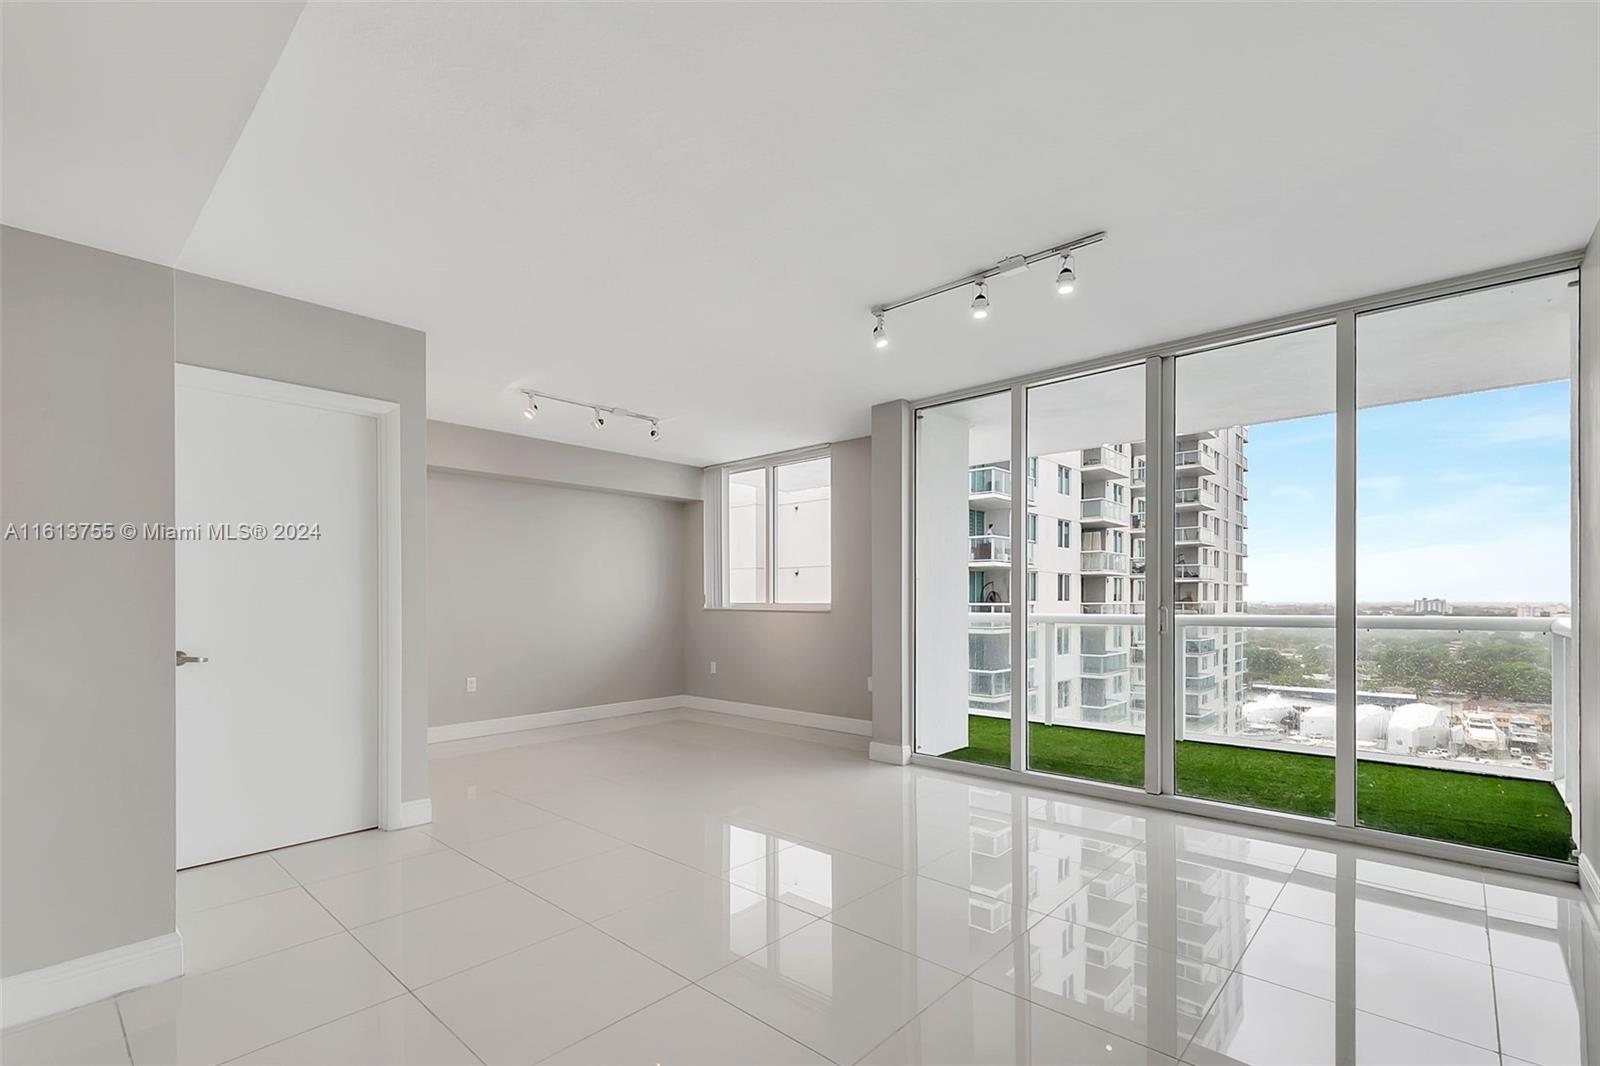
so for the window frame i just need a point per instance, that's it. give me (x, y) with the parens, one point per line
(718, 583)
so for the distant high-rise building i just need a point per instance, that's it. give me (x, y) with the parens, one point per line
(1427, 605)
(1085, 535)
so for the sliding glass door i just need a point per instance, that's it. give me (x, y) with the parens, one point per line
(1252, 577)
(1086, 643)
(1321, 571)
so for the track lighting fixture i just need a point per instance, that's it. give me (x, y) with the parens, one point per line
(1066, 281)
(600, 412)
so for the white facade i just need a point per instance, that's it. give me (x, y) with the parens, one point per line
(1085, 542)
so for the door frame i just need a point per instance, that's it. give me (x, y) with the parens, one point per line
(386, 413)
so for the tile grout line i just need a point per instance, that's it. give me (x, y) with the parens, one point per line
(408, 990)
(122, 1023)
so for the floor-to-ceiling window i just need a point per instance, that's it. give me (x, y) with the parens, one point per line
(1086, 647)
(1463, 575)
(1350, 535)
(1253, 572)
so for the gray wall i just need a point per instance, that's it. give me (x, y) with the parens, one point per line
(229, 327)
(1588, 605)
(551, 597)
(801, 660)
(891, 577)
(465, 449)
(86, 629)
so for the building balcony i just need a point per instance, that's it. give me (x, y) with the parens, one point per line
(1111, 662)
(989, 684)
(1138, 474)
(1193, 499)
(1195, 607)
(992, 551)
(1105, 461)
(1100, 562)
(1099, 512)
(988, 483)
(1195, 461)
(1195, 534)
(1240, 519)
(1107, 607)
(1195, 572)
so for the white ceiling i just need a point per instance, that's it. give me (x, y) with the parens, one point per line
(686, 209)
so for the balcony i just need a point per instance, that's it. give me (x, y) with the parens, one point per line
(989, 684)
(1193, 499)
(1195, 461)
(990, 607)
(1106, 607)
(1099, 512)
(1100, 562)
(1110, 662)
(1240, 519)
(1195, 572)
(1492, 801)
(988, 483)
(1195, 607)
(1105, 461)
(1196, 534)
(988, 550)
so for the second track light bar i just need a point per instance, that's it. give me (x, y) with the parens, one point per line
(1013, 264)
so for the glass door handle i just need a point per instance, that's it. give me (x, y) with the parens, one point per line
(184, 658)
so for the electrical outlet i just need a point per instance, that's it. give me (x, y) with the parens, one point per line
(713, 666)
(472, 684)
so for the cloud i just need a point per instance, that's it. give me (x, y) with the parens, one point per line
(1534, 427)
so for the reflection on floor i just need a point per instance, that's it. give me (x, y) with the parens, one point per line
(1527, 817)
(685, 891)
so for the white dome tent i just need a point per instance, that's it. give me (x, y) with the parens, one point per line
(1268, 712)
(1372, 723)
(1418, 727)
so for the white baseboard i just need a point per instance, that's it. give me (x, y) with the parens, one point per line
(518, 723)
(53, 989)
(894, 754)
(412, 812)
(836, 723)
(489, 727)
(1589, 880)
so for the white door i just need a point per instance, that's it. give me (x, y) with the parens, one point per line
(277, 737)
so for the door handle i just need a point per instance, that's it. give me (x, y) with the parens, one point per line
(184, 658)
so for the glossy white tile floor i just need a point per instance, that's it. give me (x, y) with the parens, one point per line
(689, 891)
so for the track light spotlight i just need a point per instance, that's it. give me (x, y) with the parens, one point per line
(531, 410)
(980, 302)
(599, 420)
(1067, 280)
(880, 335)
(655, 431)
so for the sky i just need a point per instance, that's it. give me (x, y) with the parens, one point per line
(1464, 497)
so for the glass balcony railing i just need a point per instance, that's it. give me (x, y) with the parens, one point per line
(1105, 511)
(1111, 662)
(1106, 460)
(989, 683)
(1194, 535)
(1195, 572)
(1099, 562)
(989, 481)
(1195, 459)
(989, 548)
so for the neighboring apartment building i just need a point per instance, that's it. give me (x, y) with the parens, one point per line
(1085, 542)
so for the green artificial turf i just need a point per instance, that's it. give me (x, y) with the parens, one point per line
(1492, 812)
